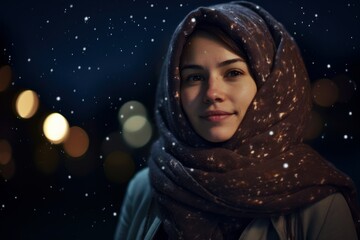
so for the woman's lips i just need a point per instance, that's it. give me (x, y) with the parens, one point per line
(216, 116)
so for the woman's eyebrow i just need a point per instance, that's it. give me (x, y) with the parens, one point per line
(191, 66)
(230, 61)
(221, 64)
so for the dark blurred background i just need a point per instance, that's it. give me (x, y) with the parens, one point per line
(95, 64)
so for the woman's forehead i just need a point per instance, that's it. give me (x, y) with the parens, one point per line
(203, 45)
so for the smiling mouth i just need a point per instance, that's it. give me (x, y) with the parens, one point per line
(216, 116)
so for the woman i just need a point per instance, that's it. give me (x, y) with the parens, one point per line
(231, 107)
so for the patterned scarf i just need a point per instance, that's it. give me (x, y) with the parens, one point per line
(210, 191)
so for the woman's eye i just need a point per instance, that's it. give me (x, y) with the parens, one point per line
(194, 78)
(234, 73)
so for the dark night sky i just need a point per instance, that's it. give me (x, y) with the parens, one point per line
(85, 59)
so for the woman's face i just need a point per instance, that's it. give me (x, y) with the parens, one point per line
(216, 87)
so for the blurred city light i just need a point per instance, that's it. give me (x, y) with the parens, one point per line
(137, 131)
(136, 128)
(5, 152)
(325, 92)
(56, 128)
(134, 123)
(130, 109)
(119, 167)
(7, 171)
(314, 126)
(5, 77)
(77, 142)
(27, 104)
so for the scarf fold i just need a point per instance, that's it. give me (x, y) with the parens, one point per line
(210, 191)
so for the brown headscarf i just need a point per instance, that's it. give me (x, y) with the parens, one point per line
(207, 190)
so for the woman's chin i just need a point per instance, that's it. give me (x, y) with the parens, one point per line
(217, 137)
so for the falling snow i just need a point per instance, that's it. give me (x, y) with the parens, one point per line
(108, 54)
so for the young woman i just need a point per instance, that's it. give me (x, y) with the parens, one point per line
(232, 103)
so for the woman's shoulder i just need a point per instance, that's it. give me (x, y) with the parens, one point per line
(139, 186)
(135, 208)
(141, 178)
(322, 207)
(329, 218)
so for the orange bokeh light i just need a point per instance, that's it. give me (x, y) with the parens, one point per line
(77, 142)
(7, 171)
(27, 104)
(5, 152)
(119, 167)
(325, 92)
(314, 126)
(5, 77)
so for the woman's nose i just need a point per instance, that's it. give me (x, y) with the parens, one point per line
(214, 91)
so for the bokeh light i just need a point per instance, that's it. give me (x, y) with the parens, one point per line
(27, 104)
(134, 123)
(46, 158)
(137, 131)
(77, 143)
(7, 171)
(136, 128)
(5, 152)
(314, 126)
(346, 87)
(325, 92)
(5, 77)
(119, 167)
(56, 128)
(130, 109)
